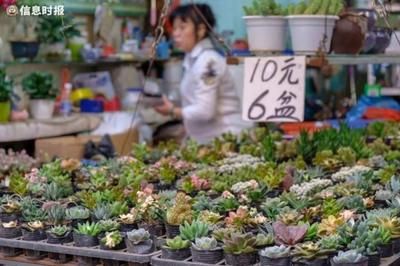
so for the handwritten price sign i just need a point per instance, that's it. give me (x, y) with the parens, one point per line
(274, 89)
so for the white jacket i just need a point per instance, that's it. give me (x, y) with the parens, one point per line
(210, 104)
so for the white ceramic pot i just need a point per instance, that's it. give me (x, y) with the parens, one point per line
(266, 33)
(307, 32)
(41, 109)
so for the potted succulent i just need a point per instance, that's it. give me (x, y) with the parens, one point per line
(33, 231)
(315, 19)
(127, 222)
(10, 230)
(349, 258)
(139, 242)
(56, 214)
(6, 87)
(275, 256)
(206, 250)
(289, 235)
(265, 18)
(386, 248)
(107, 226)
(264, 240)
(112, 241)
(240, 249)
(149, 214)
(39, 86)
(53, 32)
(86, 235)
(194, 230)
(77, 214)
(180, 212)
(310, 254)
(59, 234)
(176, 249)
(10, 210)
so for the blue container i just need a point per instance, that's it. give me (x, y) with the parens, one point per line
(25, 49)
(91, 106)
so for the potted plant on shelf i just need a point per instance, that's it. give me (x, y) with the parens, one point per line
(10, 230)
(206, 250)
(180, 212)
(77, 214)
(139, 242)
(275, 256)
(240, 249)
(112, 241)
(310, 254)
(59, 234)
(53, 32)
(6, 87)
(39, 86)
(86, 235)
(349, 258)
(23, 41)
(10, 209)
(266, 26)
(194, 230)
(315, 19)
(176, 249)
(127, 222)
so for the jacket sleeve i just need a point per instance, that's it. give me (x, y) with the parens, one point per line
(208, 74)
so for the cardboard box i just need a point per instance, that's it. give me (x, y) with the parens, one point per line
(73, 147)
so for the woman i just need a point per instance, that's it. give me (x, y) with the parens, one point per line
(210, 104)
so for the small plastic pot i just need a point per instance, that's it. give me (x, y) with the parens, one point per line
(374, 260)
(10, 252)
(35, 254)
(207, 256)
(117, 247)
(180, 254)
(52, 239)
(124, 228)
(36, 235)
(85, 240)
(241, 260)
(9, 217)
(10, 232)
(145, 247)
(317, 262)
(172, 230)
(156, 230)
(396, 245)
(386, 251)
(265, 261)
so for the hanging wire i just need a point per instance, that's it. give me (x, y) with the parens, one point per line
(159, 33)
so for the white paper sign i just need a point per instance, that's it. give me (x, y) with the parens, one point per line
(274, 89)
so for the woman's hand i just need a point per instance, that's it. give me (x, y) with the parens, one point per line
(166, 107)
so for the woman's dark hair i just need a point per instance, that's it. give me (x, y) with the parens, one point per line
(191, 12)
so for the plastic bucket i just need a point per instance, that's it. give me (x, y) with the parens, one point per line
(307, 32)
(5, 110)
(266, 33)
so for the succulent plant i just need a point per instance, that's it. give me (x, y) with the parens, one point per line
(263, 240)
(276, 252)
(102, 212)
(59, 231)
(109, 225)
(383, 195)
(330, 242)
(127, 218)
(177, 243)
(221, 233)
(77, 213)
(312, 232)
(54, 192)
(112, 239)
(205, 243)
(56, 214)
(240, 243)
(10, 206)
(329, 225)
(310, 251)
(331, 207)
(33, 226)
(289, 235)
(392, 224)
(138, 236)
(181, 211)
(90, 229)
(194, 230)
(348, 257)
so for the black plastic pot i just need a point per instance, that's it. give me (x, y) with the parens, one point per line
(386, 250)
(10, 252)
(36, 235)
(207, 256)
(60, 258)
(180, 254)
(374, 260)
(145, 247)
(87, 261)
(24, 49)
(396, 246)
(10, 232)
(241, 260)
(172, 230)
(35, 254)
(157, 230)
(9, 217)
(361, 263)
(265, 261)
(85, 240)
(52, 239)
(124, 228)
